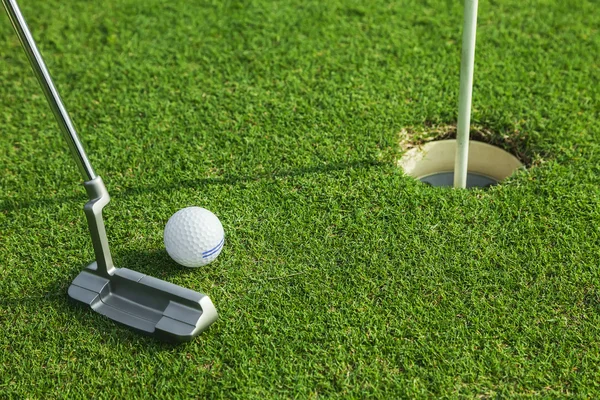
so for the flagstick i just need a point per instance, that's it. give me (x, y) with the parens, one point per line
(465, 94)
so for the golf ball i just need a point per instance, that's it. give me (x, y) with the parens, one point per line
(194, 237)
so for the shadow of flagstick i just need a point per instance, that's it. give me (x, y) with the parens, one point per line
(13, 204)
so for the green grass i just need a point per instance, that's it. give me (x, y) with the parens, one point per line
(341, 277)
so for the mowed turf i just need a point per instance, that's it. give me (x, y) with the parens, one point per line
(340, 277)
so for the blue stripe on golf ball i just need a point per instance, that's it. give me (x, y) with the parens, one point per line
(214, 250)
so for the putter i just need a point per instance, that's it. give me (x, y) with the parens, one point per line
(152, 306)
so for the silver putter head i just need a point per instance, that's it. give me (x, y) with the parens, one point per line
(152, 306)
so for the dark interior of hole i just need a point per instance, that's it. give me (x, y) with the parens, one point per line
(446, 179)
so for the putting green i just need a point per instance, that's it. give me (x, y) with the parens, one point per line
(340, 276)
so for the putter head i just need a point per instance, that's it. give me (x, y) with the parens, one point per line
(152, 306)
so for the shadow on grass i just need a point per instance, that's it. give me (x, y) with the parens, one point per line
(8, 204)
(156, 263)
(54, 307)
(54, 292)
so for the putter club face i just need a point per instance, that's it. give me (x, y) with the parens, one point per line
(146, 304)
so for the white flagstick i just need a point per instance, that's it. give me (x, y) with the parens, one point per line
(464, 97)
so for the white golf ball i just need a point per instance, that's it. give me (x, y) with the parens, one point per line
(194, 237)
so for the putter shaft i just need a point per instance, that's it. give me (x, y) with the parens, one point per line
(43, 76)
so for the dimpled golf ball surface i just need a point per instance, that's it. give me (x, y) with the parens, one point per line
(194, 237)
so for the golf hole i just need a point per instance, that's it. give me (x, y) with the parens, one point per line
(433, 164)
